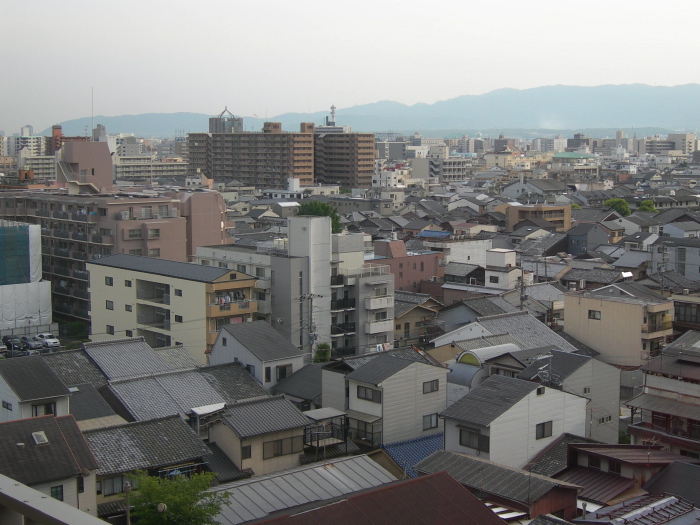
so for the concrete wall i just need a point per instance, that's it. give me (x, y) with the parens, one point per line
(333, 390)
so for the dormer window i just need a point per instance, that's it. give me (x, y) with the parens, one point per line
(40, 438)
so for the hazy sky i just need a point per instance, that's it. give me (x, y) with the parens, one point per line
(271, 57)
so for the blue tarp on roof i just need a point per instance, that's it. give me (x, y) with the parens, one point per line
(411, 452)
(433, 234)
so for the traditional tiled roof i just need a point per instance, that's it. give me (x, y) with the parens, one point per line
(486, 476)
(401, 353)
(408, 453)
(553, 459)
(31, 378)
(177, 357)
(65, 455)
(144, 445)
(556, 367)
(263, 341)
(595, 275)
(485, 403)
(305, 383)
(460, 269)
(531, 332)
(232, 382)
(75, 367)
(263, 416)
(125, 358)
(378, 370)
(485, 306)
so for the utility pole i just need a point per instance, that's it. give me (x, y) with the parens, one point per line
(311, 338)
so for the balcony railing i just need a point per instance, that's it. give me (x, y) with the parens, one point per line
(343, 304)
(342, 329)
(385, 325)
(343, 351)
(152, 297)
(83, 275)
(366, 437)
(79, 236)
(656, 327)
(375, 303)
(337, 280)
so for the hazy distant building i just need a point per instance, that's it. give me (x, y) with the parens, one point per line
(225, 122)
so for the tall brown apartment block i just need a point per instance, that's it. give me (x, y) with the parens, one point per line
(269, 158)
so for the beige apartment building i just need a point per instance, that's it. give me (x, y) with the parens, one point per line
(167, 302)
(626, 322)
(559, 215)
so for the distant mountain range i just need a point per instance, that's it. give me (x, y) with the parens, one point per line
(536, 111)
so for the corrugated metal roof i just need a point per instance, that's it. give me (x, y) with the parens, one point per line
(262, 340)
(598, 487)
(305, 383)
(379, 369)
(680, 479)
(262, 496)
(263, 416)
(125, 358)
(408, 453)
(462, 374)
(31, 378)
(665, 405)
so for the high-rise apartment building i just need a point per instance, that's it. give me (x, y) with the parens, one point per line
(225, 122)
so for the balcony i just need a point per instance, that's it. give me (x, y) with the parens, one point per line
(61, 234)
(377, 327)
(375, 303)
(60, 215)
(263, 284)
(79, 236)
(343, 351)
(343, 329)
(232, 308)
(163, 324)
(337, 280)
(652, 329)
(153, 294)
(61, 270)
(81, 256)
(83, 275)
(82, 294)
(343, 304)
(61, 252)
(264, 307)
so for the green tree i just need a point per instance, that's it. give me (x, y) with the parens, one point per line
(175, 500)
(619, 205)
(322, 209)
(575, 207)
(647, 205)
(323, 353)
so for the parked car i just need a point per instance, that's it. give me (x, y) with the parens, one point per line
(32, 343)
(31, 352)
(49, 340)
(13, 342)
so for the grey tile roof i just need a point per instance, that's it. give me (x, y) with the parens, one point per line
(177, 357)
(411, 297)
(305, 383)
(531, 332)
(263, 416)
(485, 306)
(489, 340)
(232, 382)
(87, 403)
(485, 403)
(31, 378)
(125, 358)
(460, 269)
(597, 275)
(165, 394)
(262, 340)
(487, 476)
(630, 289)
(680, 479)
(553, 459)
(378, 370)
(75, 367)
(402, 353)
(144, 445)
(261, 496)
(632, 259)
(65, 455)
(555, 367)
(178, 270)
(674, 281)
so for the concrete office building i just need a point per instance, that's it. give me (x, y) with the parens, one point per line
(225, 122)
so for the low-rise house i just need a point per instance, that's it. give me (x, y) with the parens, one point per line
(509, 420)
(415, 318)
(585, 236)
(626, 322)
(29, 388)
(264, 435)
(162, 447)
(50, 455)
(387, 398)
(524, 495)
(303, 387)
(266, 354)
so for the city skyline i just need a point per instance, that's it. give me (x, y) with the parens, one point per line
(277, 58)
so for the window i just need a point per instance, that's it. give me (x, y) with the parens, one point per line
(81, 485)
(594, 314)
(380, 316)
(603, 420)
(268, 374)
(431, 386)
(540, 390)
(223, 265)
(223, 341)
(543, 430)
(586, 389)
(260, 272)
(493, 279)
(137, 251)
(381, 292)
(129, 333)
(178, 318)
(369, 394)
(282, 447)
(127, 284)
(128, 307)
(57, 492)
(594, 462)
(109, 304)
(430, 421)
(472, 438)
(283, 371)
(398, 327)
(245, 452)
(109, 281)
(110, 329)
(135, 234)
(154, 233)
(240, 268)
(154, 252)
(47, 409)
(7, 406)
(113, 485)
(614, 466)
(178, 292)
